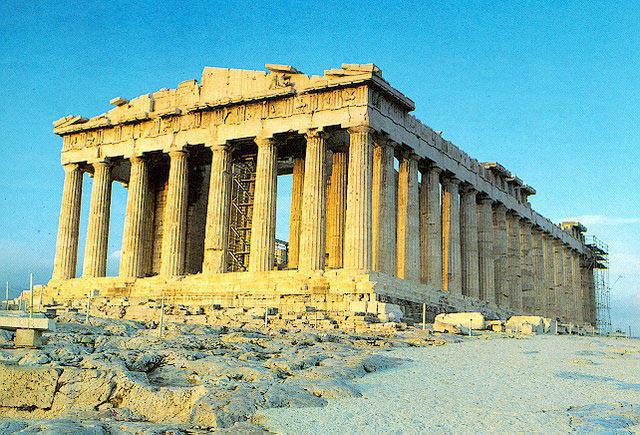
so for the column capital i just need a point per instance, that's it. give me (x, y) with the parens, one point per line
(526, 222)
(450, 179)
(313, 133)
(362, 128)
(466, 188)
(137, 158)
(433, 168)
(265, 141)
(182, 152)
(219, 146)
(70, 167)
(483, 198)
(104, 162)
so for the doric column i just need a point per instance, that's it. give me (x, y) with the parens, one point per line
(539, 276)
(336, 207)
(577, 288)
(558, 278)
(486, 261)
(469, 242)
(451, 262)
(590, 288)
(68, 227)
(500, 246)
(95, 253)
(357, 243)
(218, 208)
(514, 272)
(549, 272)
(526, 266)
(431, 228)
(408, 231)
(174, 227)
(131, 262)
(383, 208)
(295, 215)
(567, 306)
(313, 231)
(263, 222)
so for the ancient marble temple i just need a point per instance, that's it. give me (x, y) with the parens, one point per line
(385, 213)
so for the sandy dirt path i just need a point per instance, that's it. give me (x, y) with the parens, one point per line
(542, 384)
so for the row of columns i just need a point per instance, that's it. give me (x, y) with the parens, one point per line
(436, 230)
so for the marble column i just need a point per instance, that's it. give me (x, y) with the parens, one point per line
(218, 209)
(174, 228)
(336, 207)
(558, 279)
(97, 245)
(500, 246)
(469, 242)
(526, 267)
(357, 243)
(263, 222)
(577, 288)
(408, 231)
(549, 270)
(567, 306)
(69, 225)
(313, 231)
(513, 261)
(486, 262)
(295, 215)
(431, 228)
(539, 276)
(132, 260)
(383, 244)
(451, 261)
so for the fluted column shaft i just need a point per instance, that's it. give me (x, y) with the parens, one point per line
(558, 278)
(336, 208)
(486, 257)
(539, 275)
(408, 231)
(357, 243)
(383, 208)
(174, 228)
(431, 228)
(69, 225)
(218, 209)
(295, 215)
(313, 231)
(567, 306)
(132, 260)
(513, 261)
(577, 288)
(549, 266)
(95, 253)
(500, 254)
(451, 261)
(263, 222)
(526, 266)
(469, 243)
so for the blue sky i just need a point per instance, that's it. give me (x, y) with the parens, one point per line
(549, 89)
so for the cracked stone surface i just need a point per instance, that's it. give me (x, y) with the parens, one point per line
(116, 375)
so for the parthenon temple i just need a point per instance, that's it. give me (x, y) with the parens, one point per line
(386, 215)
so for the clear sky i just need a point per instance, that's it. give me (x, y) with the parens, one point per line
(549, 89)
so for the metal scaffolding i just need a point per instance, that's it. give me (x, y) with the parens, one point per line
(600, 266)
(243, 175)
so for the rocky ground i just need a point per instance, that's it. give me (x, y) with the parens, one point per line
(115, 376)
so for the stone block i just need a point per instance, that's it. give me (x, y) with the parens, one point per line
(525, 323)
(473, 320)
(358, 306)
(389, 312)
(26, 387)
(28, 338)
(495, 325)
(445, 327)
